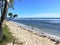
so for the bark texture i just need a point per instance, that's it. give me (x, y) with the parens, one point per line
(3, 17)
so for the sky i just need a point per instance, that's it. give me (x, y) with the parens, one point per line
(36, 8)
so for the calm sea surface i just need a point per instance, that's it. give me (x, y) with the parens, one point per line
(47, 26)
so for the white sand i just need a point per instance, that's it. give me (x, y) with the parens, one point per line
(27, 37)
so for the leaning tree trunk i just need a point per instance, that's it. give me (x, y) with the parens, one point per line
(3, 17)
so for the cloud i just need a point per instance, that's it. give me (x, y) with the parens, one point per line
(46, 15)
(42, 15)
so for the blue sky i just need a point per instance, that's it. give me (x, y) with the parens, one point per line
(37, 8)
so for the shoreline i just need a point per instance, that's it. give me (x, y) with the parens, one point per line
(26, 36)
(33, 30)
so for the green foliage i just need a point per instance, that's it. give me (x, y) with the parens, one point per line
(10, 14)
(7, 36)
(15, 15)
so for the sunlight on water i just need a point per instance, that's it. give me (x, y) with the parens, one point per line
(48, 26)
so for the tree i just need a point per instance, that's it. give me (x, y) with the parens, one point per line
(5, 5)
(4, 14)
(15, 15)
(11, 15)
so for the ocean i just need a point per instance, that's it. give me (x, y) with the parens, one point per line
(50, 26)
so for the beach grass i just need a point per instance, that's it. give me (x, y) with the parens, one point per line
(7, 36)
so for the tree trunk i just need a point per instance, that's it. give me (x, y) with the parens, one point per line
(2, 8)
(3, 17)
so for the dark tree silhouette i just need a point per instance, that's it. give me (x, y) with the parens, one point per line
(3, 14)
(15, 15)
(6, 4)
(11, 15)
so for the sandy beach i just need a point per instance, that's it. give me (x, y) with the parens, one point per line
(26, 37)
